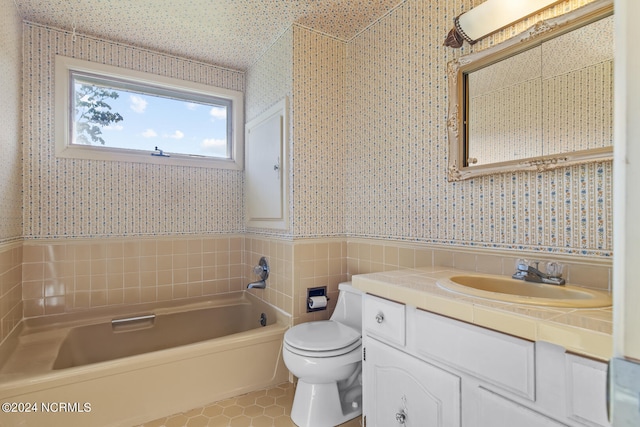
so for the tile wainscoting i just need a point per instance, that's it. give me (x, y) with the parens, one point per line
(10, 287)
(45, 277)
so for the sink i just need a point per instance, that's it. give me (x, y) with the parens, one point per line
(505, 289)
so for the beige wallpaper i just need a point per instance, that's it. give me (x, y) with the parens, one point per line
(547, 100)
(268, 81)
(368, 161)
(81, 198)
(396, 185)
(320, 145)
(10, 131)
(11, 170)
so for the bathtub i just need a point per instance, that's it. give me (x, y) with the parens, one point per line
(123, 367)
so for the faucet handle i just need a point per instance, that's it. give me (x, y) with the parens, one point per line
(262, 269)
(522, 264)
(554, 269)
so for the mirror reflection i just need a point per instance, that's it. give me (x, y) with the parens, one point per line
(543, 100)
(554, 98)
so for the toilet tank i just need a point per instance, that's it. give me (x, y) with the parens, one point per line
(348, 309)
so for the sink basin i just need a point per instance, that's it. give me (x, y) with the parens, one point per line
(517, 291)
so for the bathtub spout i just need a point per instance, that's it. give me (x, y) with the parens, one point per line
(257, 285)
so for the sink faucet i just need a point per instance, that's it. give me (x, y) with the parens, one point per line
(532, 274)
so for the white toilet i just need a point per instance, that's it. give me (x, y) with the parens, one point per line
(326, 357)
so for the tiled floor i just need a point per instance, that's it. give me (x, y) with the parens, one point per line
(263, 408)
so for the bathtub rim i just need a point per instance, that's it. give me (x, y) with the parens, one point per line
(105, 314)
(30, 382)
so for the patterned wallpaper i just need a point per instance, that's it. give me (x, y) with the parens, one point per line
(268, 81)
(81, 198)
(309, 67)
(10, 87)
(369, 150)
(397, 154)
(320, 146)
(230, 33)
(534, 104)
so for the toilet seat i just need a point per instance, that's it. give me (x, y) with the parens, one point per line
(324, 338)
(326, 353)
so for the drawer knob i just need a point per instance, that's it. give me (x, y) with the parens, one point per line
(379, 317)
(401, 417)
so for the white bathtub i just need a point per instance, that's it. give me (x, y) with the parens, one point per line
(75, 370)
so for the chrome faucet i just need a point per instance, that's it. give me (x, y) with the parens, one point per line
(260, 284)
(528, 273)
(261, 270)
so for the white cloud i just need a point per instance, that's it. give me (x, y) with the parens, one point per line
(176, 135)
(211, 144)
(114, 127)
(149, 133)
(218, 113)
(192, 106)
(138, 104)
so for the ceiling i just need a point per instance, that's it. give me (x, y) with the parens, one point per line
(229, 33)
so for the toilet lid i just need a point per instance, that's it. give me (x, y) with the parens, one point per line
(322, 335)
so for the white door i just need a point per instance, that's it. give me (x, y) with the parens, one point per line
(625, 370)
(400, 390)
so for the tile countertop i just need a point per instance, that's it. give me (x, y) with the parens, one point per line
(587, 332)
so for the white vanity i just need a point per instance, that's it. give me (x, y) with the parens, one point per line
(436, 358)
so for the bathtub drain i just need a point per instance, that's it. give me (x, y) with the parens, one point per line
(263, 319)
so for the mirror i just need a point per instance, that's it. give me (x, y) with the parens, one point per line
(540, 100)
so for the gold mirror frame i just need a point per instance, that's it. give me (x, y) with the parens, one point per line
(540, 32)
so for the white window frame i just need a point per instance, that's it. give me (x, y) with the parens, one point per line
(64, 116)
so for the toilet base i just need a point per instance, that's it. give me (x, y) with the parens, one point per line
(324, 405)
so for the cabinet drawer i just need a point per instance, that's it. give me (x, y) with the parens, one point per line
(491, 409)
(586, 390)
(384, 319)
(497, 359)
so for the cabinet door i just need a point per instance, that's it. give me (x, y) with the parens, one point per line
(400, 390)
(492, 410)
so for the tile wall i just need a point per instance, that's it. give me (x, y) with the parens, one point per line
(318, 262)
(11, 305)
(295, 267)
(64, 275)
(372, 256)
(280, 256)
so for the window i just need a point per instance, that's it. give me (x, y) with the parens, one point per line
(108, 113)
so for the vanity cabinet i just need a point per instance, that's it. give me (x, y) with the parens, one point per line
(423, 366)
(404, 390)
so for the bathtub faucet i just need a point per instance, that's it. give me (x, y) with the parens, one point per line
(257, 285)
(262, 271)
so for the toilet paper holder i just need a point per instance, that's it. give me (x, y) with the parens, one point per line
(320, 291)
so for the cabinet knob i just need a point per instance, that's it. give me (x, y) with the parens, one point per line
(401, 417)
(379, 317)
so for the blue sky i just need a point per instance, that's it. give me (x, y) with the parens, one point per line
(173, 126)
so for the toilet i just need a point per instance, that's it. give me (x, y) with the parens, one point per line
(326, 357)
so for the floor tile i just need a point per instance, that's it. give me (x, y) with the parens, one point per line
(263, 408)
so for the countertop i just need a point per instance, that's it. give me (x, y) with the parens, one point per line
(587, 332)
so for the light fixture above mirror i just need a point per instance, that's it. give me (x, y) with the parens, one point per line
(540, 100)
(489, 17)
